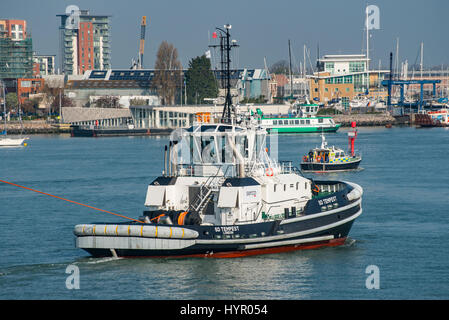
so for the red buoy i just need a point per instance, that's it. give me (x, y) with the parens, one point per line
(351, 137)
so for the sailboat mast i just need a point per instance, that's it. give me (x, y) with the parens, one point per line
(291, 78)
(397, 59)
(4, 105)
(422, 58)
(367, 52)
(304, 72)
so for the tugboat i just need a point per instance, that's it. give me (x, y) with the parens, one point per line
(221, 194)
(332, 159)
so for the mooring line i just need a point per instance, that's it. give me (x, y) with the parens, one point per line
(71, 201)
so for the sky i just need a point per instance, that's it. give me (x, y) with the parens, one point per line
(262, 28)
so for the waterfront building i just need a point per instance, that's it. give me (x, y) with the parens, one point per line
(345, 77)
(253, 84)
(16, 50)
(247, 83)
(27, 87)
(105, 117)
(44, 65)
(172, 117)
(155, 116)
(84, 42)
(84, 93)
(130, 84)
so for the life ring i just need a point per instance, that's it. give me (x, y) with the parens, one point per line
(318, 159)
(269, 172)
(315, 189)
(304, 158)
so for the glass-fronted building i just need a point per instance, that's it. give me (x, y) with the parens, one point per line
(345, 77)
(84, 42)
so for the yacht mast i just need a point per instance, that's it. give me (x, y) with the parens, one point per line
(422, 58)
(304, 70)
(291, 77)
(4, 106)
(367, 51)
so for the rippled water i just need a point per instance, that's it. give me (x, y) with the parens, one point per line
(403, 229)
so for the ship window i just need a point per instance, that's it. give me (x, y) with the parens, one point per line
(274, 189)
(307, 121)
(296, 121)
(320, 120)
(285, 187)
(275, 122)
(302, 121)
(297, 185)
(228, 198)
(305, 185)
(155, 196)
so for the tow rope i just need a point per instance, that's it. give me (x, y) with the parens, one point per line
(71, 201)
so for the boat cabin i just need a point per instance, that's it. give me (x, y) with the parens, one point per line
(328, 155)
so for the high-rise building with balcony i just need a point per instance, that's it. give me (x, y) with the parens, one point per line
(44, 65)
(84, 42)
(16, 50)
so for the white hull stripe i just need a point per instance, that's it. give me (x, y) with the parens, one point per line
(282, 236)
(325, 213)
(287, 242)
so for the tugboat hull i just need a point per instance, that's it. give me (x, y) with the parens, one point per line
(326, 221)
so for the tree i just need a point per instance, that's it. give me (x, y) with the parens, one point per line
(200, 81)
(11, 102)
(65, 103)
(280, 67)
(107, 102)
(167, 75)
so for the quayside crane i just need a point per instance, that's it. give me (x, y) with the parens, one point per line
(143, 25)
(139, 63)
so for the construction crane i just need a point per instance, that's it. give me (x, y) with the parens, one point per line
(142, 40)
(139, 63)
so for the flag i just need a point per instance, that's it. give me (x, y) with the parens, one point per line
(208, 55)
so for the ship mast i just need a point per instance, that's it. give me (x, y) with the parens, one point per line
(225, 47)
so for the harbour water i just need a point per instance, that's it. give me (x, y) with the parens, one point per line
(403, 230)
